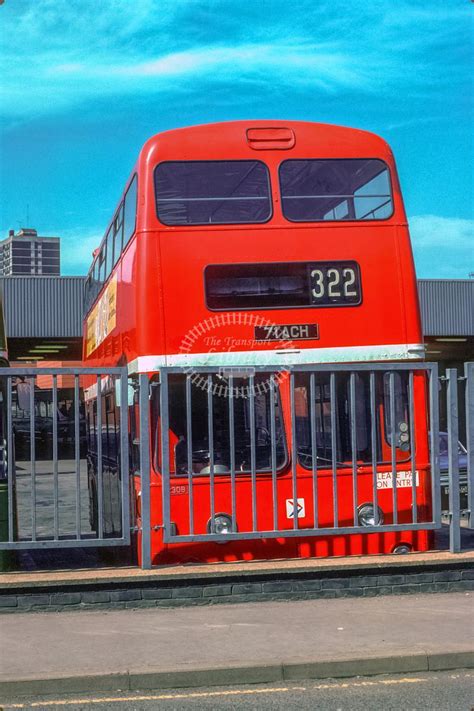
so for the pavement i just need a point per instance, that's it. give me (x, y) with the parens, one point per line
(43, 653)
(75, 567)
(44, 480)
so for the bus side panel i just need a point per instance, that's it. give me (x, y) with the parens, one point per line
(149, 297)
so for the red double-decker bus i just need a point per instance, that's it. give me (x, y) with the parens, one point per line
(261, 274)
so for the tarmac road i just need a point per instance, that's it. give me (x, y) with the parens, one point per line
(443, 691)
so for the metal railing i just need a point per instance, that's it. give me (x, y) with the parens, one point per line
(63, 486)
(460, 477)
(286, 481)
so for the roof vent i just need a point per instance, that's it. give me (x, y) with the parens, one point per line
(270, 139)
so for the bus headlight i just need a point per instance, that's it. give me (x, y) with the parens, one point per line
(222, 524)
(368, 516)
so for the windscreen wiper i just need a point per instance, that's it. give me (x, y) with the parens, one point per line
(304, 455)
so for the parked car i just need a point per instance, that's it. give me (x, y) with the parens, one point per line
(444, 473)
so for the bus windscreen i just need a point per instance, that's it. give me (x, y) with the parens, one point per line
(241, 426)
(212, 192)
(335, 189)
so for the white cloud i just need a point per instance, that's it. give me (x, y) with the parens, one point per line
(435, 231)
(443, 247)
(292, 64)
(73, 52)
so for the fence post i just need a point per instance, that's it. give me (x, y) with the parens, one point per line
(145, 468)
(434, 444)
(165, 453)
(469, 374)
(453, 461)
(124, 455)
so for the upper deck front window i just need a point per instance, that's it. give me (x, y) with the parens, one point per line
(335, 189)
(212, 192)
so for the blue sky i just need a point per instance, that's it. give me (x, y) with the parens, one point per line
(86, 82)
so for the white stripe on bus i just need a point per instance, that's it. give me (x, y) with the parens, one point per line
(280, 358)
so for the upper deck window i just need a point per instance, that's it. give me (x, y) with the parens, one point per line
(109, 244)
(118, 229)
(212, 192)
(335, 189)
(130, 212)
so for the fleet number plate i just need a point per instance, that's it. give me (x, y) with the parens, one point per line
(334, 283)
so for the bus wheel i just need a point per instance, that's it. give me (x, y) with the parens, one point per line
(402, 549)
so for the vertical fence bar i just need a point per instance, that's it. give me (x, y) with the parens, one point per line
(353, 420)
(77, 455)
(469, 375)
(294, 455)
(189, 452)
(373, 443)
(434, 429)
(210, 434)
(232, 453)
(332, 395)
(253, 457)
(393, 447)
(411, 416)
(33, 458)
(273, 452)
(10, 471)
(55, 459)
(100, 486)
(144, 419)
(124, 460)
(453, 461)
(314, 447)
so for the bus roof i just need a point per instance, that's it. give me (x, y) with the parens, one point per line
(256, 136)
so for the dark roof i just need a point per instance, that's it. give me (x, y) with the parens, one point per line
(447, 306)
(52, 307)
(43, 307)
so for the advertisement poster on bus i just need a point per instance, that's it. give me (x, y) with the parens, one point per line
(102, 318)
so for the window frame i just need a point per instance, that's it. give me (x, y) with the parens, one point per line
(335, 263)
(108, 254)
(156, 423)
(340, 221)
(215, 224)
(126, 240)
(400, 384)
(88, 287)
(102, 258)
(109, 251)
(118, 230)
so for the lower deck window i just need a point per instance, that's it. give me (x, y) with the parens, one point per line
(243, 424)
